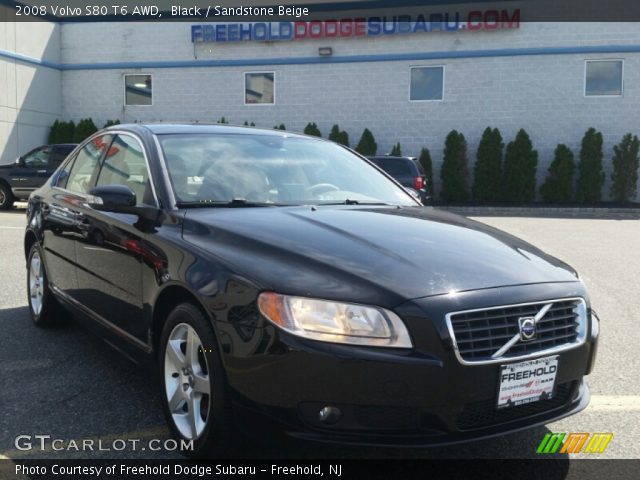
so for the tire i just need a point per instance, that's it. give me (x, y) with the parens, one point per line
(44, 308)
(6, 197)
(195, 395)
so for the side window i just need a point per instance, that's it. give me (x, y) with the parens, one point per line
(63, 175)
(124, 164)
(38, 158)
(85, 167)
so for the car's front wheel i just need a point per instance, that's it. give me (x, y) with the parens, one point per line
(6, 197)
(193, 385)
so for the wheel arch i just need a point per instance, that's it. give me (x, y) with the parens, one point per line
(29, 239)
(169, 298)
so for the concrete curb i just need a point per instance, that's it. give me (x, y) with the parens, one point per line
(551, 212)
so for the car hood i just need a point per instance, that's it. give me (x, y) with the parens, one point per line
(363, 252)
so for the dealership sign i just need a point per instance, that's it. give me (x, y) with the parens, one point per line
(355, 27)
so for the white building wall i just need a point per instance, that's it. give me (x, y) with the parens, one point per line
(30, 95)
(542, 93)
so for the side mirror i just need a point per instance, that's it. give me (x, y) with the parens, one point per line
(113, 198)
(20, 161)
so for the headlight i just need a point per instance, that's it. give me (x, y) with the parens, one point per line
(335, 322)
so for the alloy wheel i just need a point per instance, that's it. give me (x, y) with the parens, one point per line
(36, 283)
(187, 381)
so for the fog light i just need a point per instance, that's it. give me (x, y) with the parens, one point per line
(329, 415)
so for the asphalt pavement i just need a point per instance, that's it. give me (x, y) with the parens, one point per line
(68, 384)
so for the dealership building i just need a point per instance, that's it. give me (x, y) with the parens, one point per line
(408, 80)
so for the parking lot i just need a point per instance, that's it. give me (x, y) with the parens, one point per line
(67, 384)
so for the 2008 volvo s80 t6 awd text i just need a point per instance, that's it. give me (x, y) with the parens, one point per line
(273, 276)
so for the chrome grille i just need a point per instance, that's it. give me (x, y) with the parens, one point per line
(480, 334)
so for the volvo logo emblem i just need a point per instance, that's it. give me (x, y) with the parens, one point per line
(527, 328)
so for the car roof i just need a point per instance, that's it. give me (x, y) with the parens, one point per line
(199, 128)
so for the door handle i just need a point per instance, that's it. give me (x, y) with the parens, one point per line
(42, 171)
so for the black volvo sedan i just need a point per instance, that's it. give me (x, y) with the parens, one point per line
(273, 276)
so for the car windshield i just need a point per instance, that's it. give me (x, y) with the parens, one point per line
(220, 169)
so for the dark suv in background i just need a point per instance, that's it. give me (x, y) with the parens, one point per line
(407, 171)
(30, 171)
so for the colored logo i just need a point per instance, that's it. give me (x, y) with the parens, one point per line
(574, 443)
(527, 328)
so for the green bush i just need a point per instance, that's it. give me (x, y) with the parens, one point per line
(590, 172)
(84, 129)
(53, 133)
(247, 124)
(487, 171)
(558, 187)
(367, 144)
(312, 129)
(110, 123)
(279, 127)
(61, 132)
(519, 171)
(223, 120)
(454, 171)
(339, 136)
(396, 151)
(625, 169)
(427, 166)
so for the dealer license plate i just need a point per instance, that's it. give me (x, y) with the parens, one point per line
(527, 382)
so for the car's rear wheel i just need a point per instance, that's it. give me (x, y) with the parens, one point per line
(6, 197)
(193, 385)
(44, 308)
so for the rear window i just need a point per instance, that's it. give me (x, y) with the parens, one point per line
(395, 166)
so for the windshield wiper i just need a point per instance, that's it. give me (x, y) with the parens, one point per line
(235, 203)
(349, 201)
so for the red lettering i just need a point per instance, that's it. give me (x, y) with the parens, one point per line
(300, 30)
(474, 20)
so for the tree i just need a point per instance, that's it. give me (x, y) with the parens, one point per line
(312, 129)
(223, 120)
(66, 132)
(625, 169)
(454, 170)
(396, 151)
(279, 127)
(487, 171)
(110, 123)
(427, 166)
(558, 187)
(54, 133)
(367, 144)
(84, 129)
(590, 172)
(339, 136)
(519, 172)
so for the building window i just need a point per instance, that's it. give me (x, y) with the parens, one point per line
(427, 83)
(259, 88)
(603, 78)
(138, 90)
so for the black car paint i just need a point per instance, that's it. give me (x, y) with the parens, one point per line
(117, 272)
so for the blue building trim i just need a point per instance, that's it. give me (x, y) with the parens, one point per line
(390, 57)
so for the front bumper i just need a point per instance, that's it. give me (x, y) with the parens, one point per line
(395, 397)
